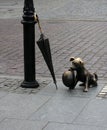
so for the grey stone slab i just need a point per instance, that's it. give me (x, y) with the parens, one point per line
(60, 109)
(78, 91)
(13, 124)
(95, 113)
(3, 94)
(2, 117)
(50, 89)
(63, 91)
(58, 126)
(21, 106)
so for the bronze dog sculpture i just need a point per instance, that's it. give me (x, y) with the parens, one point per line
(88, 80)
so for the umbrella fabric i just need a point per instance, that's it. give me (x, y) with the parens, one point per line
(44, 46)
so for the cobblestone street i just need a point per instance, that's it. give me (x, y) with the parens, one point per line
(83, 39)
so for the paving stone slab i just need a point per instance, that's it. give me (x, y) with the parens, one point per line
(60, 109)
(61, 126)
(3, 94)
(14, 124)
(64, 91)
(95, 113)
(21, 106)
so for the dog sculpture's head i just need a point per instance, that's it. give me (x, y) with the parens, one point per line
(77, 63)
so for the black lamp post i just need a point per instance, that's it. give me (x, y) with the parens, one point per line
(29, 45)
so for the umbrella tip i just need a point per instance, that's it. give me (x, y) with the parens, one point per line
(56, 86)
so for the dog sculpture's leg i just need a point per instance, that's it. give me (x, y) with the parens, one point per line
(86, 85)
(82, 84)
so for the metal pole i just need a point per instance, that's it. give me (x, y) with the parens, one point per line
(29, 45)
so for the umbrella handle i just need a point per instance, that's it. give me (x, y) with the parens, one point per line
(37, 19)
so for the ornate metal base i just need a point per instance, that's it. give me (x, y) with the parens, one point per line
(26, 84)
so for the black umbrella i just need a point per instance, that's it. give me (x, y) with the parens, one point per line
(44, 46)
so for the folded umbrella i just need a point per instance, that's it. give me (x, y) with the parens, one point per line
(44, 46)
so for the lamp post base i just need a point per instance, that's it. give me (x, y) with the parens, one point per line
(26, 84)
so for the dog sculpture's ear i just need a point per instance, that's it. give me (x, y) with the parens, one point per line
(72, 58)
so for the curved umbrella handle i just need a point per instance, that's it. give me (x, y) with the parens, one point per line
(37, 19)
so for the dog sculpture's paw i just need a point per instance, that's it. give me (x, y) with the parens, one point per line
(85, 90)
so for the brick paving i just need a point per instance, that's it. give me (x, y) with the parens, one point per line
(84, 39)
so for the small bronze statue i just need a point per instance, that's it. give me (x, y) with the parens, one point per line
(82, 74)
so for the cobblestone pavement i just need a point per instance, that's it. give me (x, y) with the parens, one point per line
(58, 9)
(84, 39)
(12, 84)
